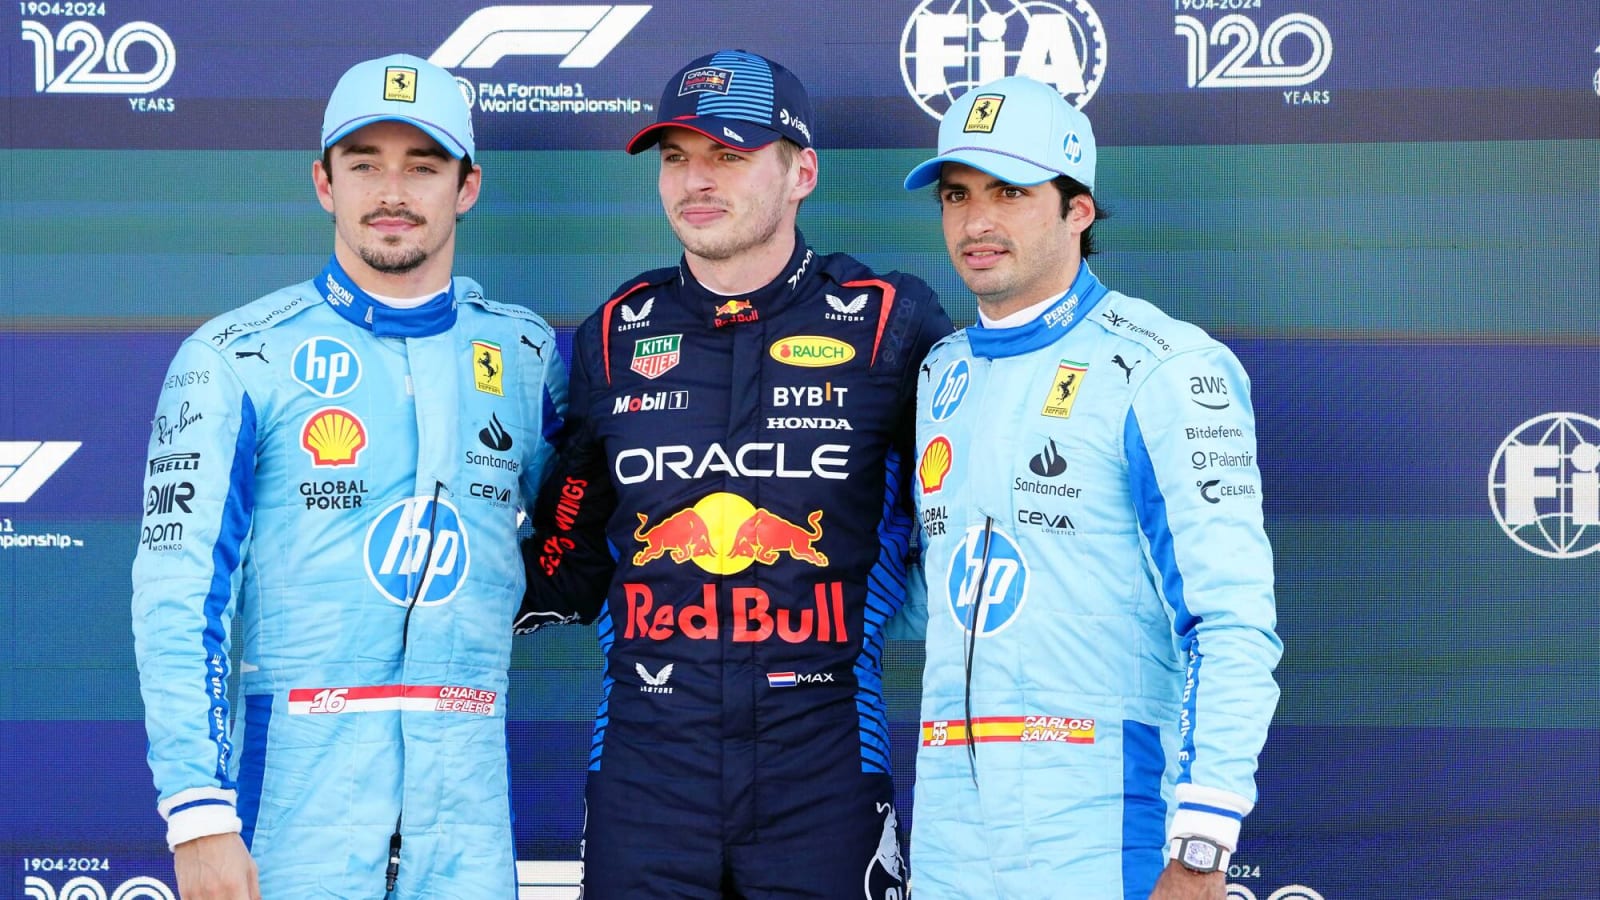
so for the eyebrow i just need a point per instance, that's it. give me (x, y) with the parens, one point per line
(372, 150)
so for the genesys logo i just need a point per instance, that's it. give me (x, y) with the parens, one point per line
(26, 465)
(76, 57)
(949, 47)
(1544, 485)
(1293, 51)
(581, 35)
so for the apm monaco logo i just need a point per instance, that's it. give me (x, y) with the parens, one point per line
(949, 47)
(1544, 485)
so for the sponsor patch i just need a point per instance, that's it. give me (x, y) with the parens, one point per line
(935, 464)
(488, 368)
(812, 351)
(655, 356)
(333, 437)
(985, 112)
(1064, 389)
(1008, 729)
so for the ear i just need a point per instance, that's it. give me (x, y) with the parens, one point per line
(1080, 213)
(805, 171)
(467, 196)
(324, 185)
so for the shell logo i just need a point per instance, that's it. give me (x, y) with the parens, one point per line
(812, 351)
(333, 437)
(935, 464)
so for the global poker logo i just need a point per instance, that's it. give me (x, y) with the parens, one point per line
(1544, 485)
(949, 47)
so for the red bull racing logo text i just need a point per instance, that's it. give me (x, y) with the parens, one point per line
(753, 616)
(724, 534)
(735, 311)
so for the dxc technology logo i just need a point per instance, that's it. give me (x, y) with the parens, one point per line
(1544, 485)
(952, 46)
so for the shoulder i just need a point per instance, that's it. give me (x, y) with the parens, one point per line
(629, 290)
(470, 294)
(272, 311)
(1141, 322)
(847, 271)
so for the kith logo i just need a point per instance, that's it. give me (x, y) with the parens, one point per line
(26, 465)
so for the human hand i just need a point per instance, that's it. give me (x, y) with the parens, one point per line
(215, 867)
(1178, 883)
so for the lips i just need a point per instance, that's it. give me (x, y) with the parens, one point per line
(983, 256)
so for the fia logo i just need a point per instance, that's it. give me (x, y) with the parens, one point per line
(949, 48)
(1544, 485)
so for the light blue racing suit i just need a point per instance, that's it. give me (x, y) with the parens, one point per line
(1100, 612)
(347, 478)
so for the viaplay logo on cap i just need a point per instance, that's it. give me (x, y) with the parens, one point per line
(949, 47)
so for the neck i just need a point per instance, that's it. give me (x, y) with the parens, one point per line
(747, 271)
(424, 279)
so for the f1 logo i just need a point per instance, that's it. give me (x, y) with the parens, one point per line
(26, 465)
(581, 35)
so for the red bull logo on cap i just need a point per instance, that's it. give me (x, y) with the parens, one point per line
(724, 533)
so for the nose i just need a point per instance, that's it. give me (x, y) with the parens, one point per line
(977, 220)
(698, 175)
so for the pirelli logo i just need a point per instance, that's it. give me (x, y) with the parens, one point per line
(1008, 729)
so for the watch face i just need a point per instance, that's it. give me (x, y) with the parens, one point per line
(1200, 855)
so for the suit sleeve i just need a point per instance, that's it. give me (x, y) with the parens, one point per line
(568, 560)
(552, 416)
(911, 622)
(199, 487)
(1190, 440)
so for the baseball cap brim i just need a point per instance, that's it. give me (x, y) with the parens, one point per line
(439, 135)
(1009, 169)
(736, 133)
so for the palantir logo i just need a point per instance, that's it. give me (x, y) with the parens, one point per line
(952, 46)
(417, 552)
(90, 49)
(1544, 485)
(581, 35)
(26, 465)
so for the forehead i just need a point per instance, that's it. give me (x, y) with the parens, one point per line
(954, 173)
(389, 134)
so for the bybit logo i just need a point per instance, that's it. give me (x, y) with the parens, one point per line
(1544, 485)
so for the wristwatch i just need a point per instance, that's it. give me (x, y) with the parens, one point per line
(1198, 854)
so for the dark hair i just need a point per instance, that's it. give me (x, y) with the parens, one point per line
(1070, 188)
(461, 177)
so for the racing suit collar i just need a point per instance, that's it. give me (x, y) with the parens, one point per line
(1045, 330)
(357, 306)
(749, 307)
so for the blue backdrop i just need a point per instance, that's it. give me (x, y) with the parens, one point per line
(1390, 211)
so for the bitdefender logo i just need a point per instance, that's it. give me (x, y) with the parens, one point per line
(949, 47)
(1544, 485)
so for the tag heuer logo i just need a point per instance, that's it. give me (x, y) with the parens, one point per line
(654, 357)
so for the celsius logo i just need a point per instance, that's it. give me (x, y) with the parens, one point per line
(1544, 485)
(26, 465)
(952, 46)
(581, 35)
(78, 76)
(1237, 68)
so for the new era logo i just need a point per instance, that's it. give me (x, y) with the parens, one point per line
(26, 465)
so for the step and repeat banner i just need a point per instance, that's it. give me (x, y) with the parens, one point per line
(1391, 212)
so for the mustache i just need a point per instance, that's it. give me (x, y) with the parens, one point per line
(402, 214)
(716, 202)
(993, 240)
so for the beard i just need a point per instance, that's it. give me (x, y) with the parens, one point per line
(735, 237)
(396, 261)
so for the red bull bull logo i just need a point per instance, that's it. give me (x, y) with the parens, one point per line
(752, 611)
(724, 534)
(734, 312)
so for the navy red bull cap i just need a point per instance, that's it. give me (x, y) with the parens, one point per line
(735, 98)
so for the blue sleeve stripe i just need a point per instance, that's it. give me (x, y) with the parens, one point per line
(210, 801)
(1214, 810)
(1144, 812)
(1151, 508)
(237, 512)
(253, 762)
(552, 418)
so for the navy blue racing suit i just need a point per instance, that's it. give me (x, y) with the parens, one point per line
(732, 504)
